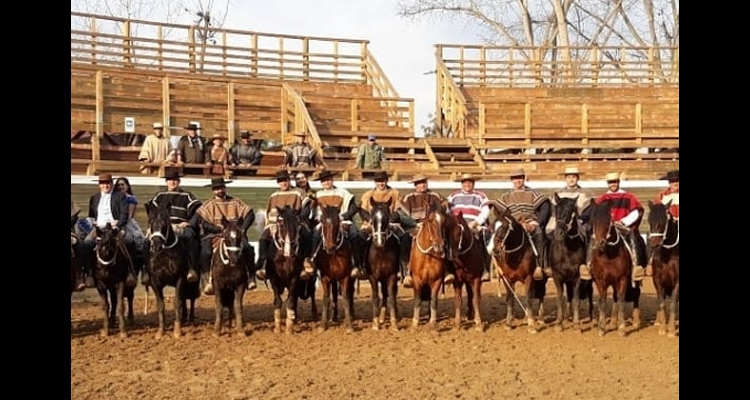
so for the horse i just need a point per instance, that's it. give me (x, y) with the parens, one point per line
(167, 264)
(664, 237)
(611, 266)
(515, 261)
(335, 265)
(470, 253)
(567, 251)
(284, 267)
(382, 259)
(109, 274)
(229, 274)
(427, 260)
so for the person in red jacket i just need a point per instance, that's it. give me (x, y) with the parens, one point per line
(671, 194)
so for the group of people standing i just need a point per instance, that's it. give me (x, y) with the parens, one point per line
(197, 222)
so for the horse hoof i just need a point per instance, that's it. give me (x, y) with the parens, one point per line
(349, 330)
(479, 328)
(533, 330)
(217, 334)
(288, 331)
(159, 335)
(601, 333)
(104, 334)
(123, 335)
(276, 330)
(671, 335)
(321, 329)
(558, 328)
(375, 328)
(508, 327)
(394, 328)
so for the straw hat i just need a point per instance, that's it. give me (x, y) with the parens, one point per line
(517, 172)
(612, 176)
(571, 171)
(468, 177)
(218, 136)
(158, 125)
(420, 177)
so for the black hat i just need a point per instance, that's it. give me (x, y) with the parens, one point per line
(282, 175)
(218, 182)
(192, 127)
(171, 174)
(380, 176)
(245, 134)
(324, 175)
(671, 176)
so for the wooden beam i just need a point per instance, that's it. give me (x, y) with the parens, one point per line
(165, 106)
(95, 140)
(230, 113)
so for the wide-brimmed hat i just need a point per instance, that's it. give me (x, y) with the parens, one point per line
(468, 177)
(671, 176)
(218, 182)
(517, 172)
(192, 127)
(380, 176)
(282, 175)
(245, 134)
(158, 125)
(171, 174)
(571, 171)
(104, 178)
(612, 176)
(420, 177)
(300, 134)
(324, 175)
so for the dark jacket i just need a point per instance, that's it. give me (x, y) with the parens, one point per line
(118, 204)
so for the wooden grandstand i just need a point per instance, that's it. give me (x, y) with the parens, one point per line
(334, 90)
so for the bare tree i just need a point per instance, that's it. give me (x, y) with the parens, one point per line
(207, 22)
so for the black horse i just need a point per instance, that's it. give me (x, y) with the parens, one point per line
(284, 267)
(230, 275)
(664, 237)
(166, 264)
(382, 259)
(567, 251)
(109, 274)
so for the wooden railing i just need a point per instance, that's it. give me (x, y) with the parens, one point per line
(104, 40)
(294, 115)
(450, 101)
(519, 66)
(400, 115)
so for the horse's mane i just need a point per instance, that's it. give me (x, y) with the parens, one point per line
(658, 213)
(600, 212)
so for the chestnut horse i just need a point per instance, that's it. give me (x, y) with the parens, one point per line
(109, 274)
(567, 251)
(469, 265)
(515, 260)
(383, 261)
(664, 237)
(427, 261)
(611, 266)
(230, 275)
(335, 265)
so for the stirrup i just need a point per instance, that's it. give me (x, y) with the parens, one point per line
(585, 272)
(209, 289)
(261, 274)
(448, 279)
(407, 282)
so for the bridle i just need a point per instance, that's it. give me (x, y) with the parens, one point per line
(224, 250)
(380, 231)
(285, 241)
(331, 224)
(507, 235)
(433, 227)
(663, 235)
(164, 237)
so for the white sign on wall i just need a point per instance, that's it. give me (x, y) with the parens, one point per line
(129, 124)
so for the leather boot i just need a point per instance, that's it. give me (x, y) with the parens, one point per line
(360, 270)
(450, 273)
(309, 264)
(584, 270)
(260, 266)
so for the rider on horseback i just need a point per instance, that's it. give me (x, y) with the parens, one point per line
(183, 219)
(110, 206)
(223, 207)
(285, 196)
(670, 195)
(474, 205)
(627, 213)
(330, 195)
(532, 209)
(413, 210)
(381, 193)
(573, 190)
(76, 245)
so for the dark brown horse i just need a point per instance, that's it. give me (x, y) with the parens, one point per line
(664, 238)
(515, 260)
(469, 252)
(382, 259)
(567, 251)
(166, 265)
(611, 266)
(284, 267)
(335, 265)
(229, 274)
(427, 261)
(109, 274)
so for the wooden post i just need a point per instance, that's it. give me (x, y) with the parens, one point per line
(511, 61)
(461, 67)
(482, 122)
(165, 105)
(230, 114)
(354, 115)
(412, 125)
(537, 57)
(191, 49)
(126, 44)
(281, 58)
(306, 59)
(363, 55)
(96, 140)
(527, 123)
(93, 40)
(254, 55)
(224, 53)
(482, 67)
(284, 115)
(160, 48)
(585, 124)
(651, 66)
(594, 59)
(639, 122)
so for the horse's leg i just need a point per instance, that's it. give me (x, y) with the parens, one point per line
(561, 300)
(435, 292)
(326, 283)
(384, 282)
(530, 294)
(417, 287)
(121, 309)
(660, 310)
(576, 301)
(622, 287)
(391, 287)
(509, 304)
(348, 299)
(470, 309)
(104, 296)
(178, 306)
(313, 303)
(218, 311)
(130, 295)
(476, 303)
(637, 306)
(672, 325)
(334, 300)
(239, 294)
(601, 290)
(457, 300)
(291, 306)
(277, 303)
(375, 299)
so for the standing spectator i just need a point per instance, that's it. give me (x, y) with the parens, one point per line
(155, 149)
(371, 155)
(247, 152)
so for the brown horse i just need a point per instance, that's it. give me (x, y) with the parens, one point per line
(335, 265)
(230, 275)
(110, 274)
(664, 237)
(611, 266)
(285, 265)
(469, 252)
(427, 260)
(382, 259)
(515, 260)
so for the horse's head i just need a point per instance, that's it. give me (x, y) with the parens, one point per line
(230, 247)
(106, 247)
(566, 216)
(287, 236)
(162, 236)
(433, 229)
(330, 226)
(658, 222)
(379, 218)
(602, 227)
(505, 225)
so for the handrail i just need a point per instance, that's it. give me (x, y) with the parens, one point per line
(451, 100)
(382, 86)
(302, 121)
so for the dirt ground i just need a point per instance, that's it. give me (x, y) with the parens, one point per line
(408, 364)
